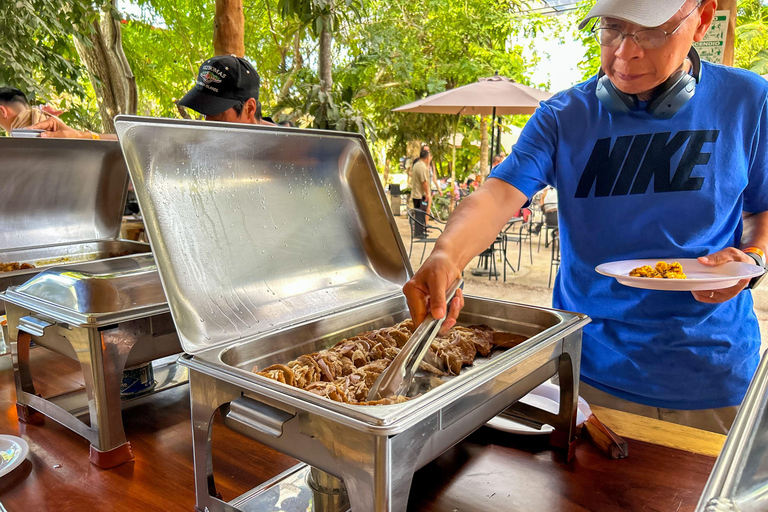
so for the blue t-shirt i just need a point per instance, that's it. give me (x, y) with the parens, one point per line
(633, 186)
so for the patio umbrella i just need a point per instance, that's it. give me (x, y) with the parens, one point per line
(497, 95)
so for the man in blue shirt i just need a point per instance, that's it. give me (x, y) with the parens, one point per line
(660, 156)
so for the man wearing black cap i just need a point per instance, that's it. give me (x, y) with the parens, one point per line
(227, 90)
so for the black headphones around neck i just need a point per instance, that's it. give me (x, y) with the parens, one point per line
(671, 96)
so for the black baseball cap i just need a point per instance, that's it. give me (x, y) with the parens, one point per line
(222, 82)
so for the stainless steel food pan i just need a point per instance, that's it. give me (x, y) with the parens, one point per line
(376, 449)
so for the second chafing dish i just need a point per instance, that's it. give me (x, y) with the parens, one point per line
(106, 315)
(61, 203)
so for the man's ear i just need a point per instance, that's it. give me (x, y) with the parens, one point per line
(708, 8)
(249, 109)
(4, 112)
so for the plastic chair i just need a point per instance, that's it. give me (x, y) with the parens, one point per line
(421, 233)
(555, 261)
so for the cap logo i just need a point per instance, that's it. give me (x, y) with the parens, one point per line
(210, 76)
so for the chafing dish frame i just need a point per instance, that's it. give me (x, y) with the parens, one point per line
(375, 450)
(104, 345)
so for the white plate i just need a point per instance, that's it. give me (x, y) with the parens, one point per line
(13, 451)
(700, 277)
(545, 397)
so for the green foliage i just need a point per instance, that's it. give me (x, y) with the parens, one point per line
(311, 13)
(403, 51)
(36, 51)
(751, 49)
(165, 46)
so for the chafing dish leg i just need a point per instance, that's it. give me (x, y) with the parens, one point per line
(563, 436)
(376, 481)
(22, 373)
(564, 422)
(206, 396)
(102, 365)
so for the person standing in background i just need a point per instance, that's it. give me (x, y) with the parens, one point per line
(420, 193)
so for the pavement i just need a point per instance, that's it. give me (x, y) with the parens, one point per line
(529, 285)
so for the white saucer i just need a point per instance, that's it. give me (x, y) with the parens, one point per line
(13, 451)
(699, 277)
(545, 397)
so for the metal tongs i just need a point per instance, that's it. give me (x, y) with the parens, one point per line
(397, 377)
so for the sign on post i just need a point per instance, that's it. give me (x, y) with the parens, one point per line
(713, 47)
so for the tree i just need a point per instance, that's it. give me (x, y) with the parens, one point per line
(111, 75)
(324, 18)
(36, 54)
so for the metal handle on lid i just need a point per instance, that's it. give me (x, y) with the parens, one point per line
(397, 378)
(32, 325)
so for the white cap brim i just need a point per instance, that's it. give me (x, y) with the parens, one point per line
(646, 13)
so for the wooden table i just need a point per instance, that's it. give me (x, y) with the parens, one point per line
(489, 471)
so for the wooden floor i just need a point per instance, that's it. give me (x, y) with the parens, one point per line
(489, 471)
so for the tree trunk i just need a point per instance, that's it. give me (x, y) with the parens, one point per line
(484, 149)
(298, 63)
(325, 61)
(109, 70)
(229, 28)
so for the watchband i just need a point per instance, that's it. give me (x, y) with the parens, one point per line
(759, 256)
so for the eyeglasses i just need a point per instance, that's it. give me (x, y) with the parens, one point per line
(648, 38)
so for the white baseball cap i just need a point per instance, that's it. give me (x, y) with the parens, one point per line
(646, 13)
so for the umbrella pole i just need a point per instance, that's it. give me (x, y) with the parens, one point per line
(453, 165)
(493, 130)
(498, 135)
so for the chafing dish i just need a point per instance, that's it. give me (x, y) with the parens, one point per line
(294, 249)
(61, 203)
(106, 315)
(739, 480)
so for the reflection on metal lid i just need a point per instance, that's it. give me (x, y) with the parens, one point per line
(110, 286)
(254, 227)
(59, 191)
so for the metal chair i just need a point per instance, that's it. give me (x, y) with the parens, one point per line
(421, 233)
(549, 225)
(555, 261)
(518, 232)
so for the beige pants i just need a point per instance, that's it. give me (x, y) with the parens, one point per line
(713, 420)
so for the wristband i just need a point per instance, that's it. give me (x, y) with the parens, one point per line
(95, 136)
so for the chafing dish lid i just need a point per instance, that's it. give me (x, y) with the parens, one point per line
(58, 190)
(91, 290)
(255, 228)
(739, 479)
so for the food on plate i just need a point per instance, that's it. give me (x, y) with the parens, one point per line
(346, 371)
(663, 270)
(10, 267)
